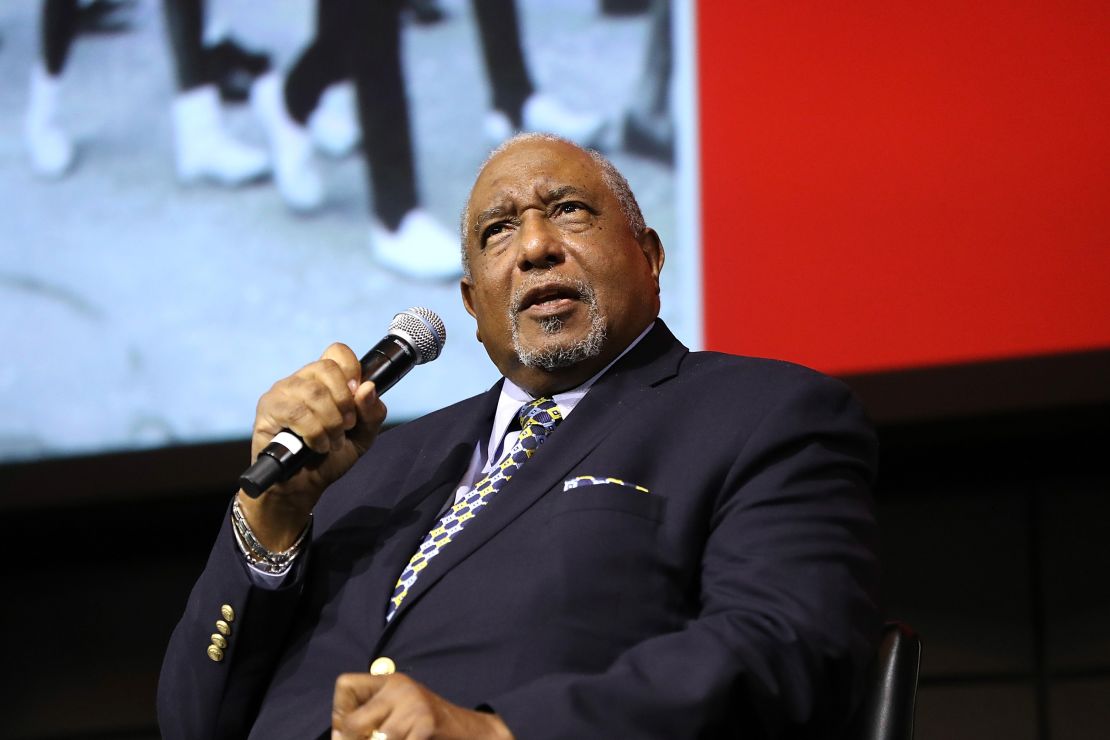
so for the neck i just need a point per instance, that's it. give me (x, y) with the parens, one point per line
(539, 382)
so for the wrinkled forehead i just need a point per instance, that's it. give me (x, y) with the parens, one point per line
(533, 167)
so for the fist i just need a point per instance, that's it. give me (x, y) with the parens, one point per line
(400, 708)
(327, 405)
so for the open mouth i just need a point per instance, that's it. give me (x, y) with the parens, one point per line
(548, 299)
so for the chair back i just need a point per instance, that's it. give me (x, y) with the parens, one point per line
(888, 707)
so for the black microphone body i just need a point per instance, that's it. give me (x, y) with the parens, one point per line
(416, 336)
(387, 362)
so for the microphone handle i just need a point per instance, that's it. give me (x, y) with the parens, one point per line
(387, 362)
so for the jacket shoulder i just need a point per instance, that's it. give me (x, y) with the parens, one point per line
(754, 374)
(754, 388)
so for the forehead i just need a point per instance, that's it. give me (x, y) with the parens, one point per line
(533, 166)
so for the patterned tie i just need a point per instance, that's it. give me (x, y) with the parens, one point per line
(537, 419)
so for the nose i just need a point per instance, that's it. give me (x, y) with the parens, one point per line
(540, 244)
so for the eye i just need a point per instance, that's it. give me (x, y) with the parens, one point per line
(492, 230)
(573, 210)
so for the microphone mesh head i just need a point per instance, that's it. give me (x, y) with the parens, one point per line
(424, 331)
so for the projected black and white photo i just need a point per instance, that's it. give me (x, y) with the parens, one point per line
(198, 197)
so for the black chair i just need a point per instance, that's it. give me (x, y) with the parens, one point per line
(887, 709)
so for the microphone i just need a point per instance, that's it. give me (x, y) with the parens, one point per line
(414, 337)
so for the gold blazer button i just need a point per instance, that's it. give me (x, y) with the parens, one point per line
(215, 653)
(223, 628)
(227, 613)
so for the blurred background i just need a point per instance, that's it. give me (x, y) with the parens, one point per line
(910, 196)
(168, 222)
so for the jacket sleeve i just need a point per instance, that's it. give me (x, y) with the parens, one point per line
(203, 696)
(787, 618)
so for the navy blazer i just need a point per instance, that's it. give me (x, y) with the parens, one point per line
(735, 598)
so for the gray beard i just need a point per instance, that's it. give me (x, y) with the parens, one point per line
(555, 355)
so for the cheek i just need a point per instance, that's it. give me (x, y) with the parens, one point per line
(492, 309)
(621, 289)
(611, 277)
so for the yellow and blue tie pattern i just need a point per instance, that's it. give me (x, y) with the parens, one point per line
(537, 419)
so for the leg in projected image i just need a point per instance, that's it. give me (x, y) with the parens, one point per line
(48, 145)
(360, 41)
(203, 149)
(517, 105)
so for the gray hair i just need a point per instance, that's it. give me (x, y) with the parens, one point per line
(610, 175)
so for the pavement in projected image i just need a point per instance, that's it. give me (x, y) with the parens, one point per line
(138, 311)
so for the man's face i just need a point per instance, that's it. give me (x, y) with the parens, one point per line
(558, 284)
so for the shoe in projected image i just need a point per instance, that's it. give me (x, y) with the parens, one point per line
(334, 124)
(48, 146)
(420, 248)
(295, 173)
(543, 113)
(203, 149)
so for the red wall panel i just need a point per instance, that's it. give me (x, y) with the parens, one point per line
(889, 185)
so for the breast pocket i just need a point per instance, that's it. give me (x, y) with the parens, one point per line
(609, 575)
(615, 497)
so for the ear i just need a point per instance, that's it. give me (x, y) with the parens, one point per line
(652, 247)
(466, 287)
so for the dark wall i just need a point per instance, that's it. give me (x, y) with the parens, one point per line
(994, 548)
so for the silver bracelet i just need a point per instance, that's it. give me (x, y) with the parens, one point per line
(267, 561)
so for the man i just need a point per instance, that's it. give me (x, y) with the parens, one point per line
(690, 553)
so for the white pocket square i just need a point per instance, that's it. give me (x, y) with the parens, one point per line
(597, 480)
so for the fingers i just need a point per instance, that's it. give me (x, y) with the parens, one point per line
(342, 356)
(395, 705)
(354, 713)
(370, 410)
(403, 709)
(317, 402)
(339, 372)
(371, 414)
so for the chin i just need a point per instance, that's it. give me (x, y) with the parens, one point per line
(559, 348)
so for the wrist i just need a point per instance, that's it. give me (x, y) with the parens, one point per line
(261, 558)
(274, 521)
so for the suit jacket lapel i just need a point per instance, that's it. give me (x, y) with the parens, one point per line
(654, 360)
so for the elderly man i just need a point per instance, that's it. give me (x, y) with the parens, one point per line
(620, 539)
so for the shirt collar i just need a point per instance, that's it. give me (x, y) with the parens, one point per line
(513, 397)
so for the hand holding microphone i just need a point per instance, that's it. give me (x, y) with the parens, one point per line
(326, 415)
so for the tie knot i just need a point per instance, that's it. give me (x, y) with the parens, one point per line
(542, 413)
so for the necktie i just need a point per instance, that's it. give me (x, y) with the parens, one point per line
(537, 420)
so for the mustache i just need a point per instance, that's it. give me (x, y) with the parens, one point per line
(585, 290)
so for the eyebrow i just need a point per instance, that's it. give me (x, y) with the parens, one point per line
(489, 213)
(500, 211)
(563, 191)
